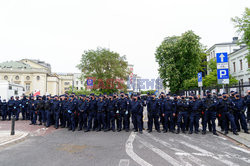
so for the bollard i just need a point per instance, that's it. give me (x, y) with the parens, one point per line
(13, 125)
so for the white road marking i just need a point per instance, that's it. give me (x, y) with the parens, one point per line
(124, 162)
(191, 157)
(165, 156)
(207, 153)
(240, 149)
(131, 153)
(230, 155)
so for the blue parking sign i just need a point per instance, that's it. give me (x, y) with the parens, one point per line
(200, 77)
(223, 73)
(90, 82)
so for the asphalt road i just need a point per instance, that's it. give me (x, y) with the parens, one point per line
(63, 147)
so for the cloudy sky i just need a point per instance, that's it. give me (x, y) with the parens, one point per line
(58, 31)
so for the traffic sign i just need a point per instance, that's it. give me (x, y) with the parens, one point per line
(222, 68)
(90, 82)
(200, 79)
(221, 57)
(223, 73)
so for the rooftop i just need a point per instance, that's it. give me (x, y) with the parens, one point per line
(14, 65)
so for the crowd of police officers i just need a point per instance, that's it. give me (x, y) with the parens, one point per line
(114, 112)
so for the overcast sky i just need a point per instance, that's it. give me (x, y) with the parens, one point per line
(58, 31)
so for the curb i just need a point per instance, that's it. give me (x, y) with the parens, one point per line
(14, 141)
(237, 141)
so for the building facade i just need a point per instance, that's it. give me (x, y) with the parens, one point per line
(239, 66)
(34, 76)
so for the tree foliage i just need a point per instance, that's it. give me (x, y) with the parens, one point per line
(243, 28)
(104, 66)
(179, 59)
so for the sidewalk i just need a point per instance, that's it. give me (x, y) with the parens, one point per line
(242, 138)
(6, 139)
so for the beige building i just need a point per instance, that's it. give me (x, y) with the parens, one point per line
(35, 75)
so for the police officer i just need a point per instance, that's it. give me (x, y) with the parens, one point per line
(226, 105)
(247, 101)
(40, 109)
(124, 104)
(136, 113)
(111, 113)
(239, 113)
(83, 109)
(4, 108)
(210, 105)
(101, 114)
(48, 110)
(25, 105)
(196, 108)
(11, 105)
(153, 108)
(183, 107)
(56, 111)
(168, 111)
(92, 112)
(17, 107)
(33, 110)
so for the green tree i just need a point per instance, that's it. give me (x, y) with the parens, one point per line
(108, 68)
(243, 28)
(179, 59)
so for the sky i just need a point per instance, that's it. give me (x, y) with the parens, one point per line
(59, 31)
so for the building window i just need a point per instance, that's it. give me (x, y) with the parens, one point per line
(66, 83)
(16, 92)
(234, 66)
(249, 80)
(241, 67)
(76, 82)
(5, 77)
(81, 82)
(38, 78)
(76, 88)
(10, 87)
(27, 86)
(66, 89)
(17, 77)
(28, 78)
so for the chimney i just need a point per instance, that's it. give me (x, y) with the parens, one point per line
(235, 39)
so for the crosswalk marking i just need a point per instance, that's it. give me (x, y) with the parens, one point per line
(131, 153)
(160, 152)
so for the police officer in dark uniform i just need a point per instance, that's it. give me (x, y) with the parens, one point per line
(226, 105)
(48, 110)
(210, 105)
(136, 111)
(168, 111)
(101, 107)
(123, 103)
(239, 113)
(11, 105)
(92, 112)
(83, 109)
(111, 113)
(4, 108)
(153, 108)
(56, 111)
(17, 107)
(196, 108)
(247, 101)
(183, 107)
(25, 104)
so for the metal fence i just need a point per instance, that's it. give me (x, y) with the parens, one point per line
(241, 88)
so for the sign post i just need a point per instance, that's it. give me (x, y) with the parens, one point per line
(222, 68)
(200, 83)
